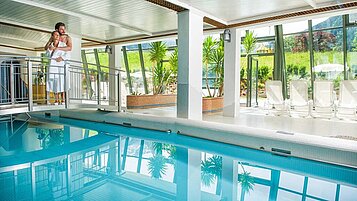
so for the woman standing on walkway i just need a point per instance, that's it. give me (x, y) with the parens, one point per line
(55, 81)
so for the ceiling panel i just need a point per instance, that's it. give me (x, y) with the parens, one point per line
(22, 37)
(137, 14)
(21, 13)
(108, 20)
(244, 10)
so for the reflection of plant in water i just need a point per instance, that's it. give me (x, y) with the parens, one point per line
(157, 147)
(171, 150)
(157, 166)
(210, 169)
(246, 181)
(50, 137)
(207, 178)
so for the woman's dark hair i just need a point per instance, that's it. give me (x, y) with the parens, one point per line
(53, 32)
(57, 26)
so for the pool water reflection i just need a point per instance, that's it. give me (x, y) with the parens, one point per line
(55, 161)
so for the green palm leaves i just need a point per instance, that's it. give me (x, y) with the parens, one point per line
(213, 59)
(161, 75)
(218, 69)
(249, 42)
(208, 50)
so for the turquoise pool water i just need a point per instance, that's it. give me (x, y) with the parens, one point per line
(78, 160)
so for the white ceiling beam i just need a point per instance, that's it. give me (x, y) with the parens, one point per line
(312, 3)
(197, 11)
(83, 16)
(42, 29)
(35, 43)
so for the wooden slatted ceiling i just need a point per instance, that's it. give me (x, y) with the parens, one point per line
(177, 8)
(296, 14)
(219, 25)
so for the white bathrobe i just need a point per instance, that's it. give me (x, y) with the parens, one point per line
(55, 78)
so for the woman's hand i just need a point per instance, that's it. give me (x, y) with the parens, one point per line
(51, 48)
(59, 59)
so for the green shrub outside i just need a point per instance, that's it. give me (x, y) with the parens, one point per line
(297, 59)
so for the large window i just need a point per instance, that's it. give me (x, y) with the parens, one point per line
(297, 54)
(135, 69)
(327, 46)
(262, 65)
(352, 47)
(328, 56)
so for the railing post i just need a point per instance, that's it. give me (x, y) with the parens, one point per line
(29, 81)
(98, 87)
(98, 73)
(65, 76)
(12, 84)
(69, 176)
(33, 181)
(119, 91)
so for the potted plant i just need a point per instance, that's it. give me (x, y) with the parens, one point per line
(39, 88)
(161, 77)
(213, 55)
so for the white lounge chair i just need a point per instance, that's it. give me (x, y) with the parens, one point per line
(324, 97)
(347, 103)
(299, 98)
(275, 101)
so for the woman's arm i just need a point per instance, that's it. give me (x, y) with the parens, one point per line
(68, 45)
(48, 43)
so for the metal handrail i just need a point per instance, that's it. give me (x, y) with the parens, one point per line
(68, 60)
(20, 70)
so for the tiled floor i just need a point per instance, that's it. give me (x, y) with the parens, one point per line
(255, 117)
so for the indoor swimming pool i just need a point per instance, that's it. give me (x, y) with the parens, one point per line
(71, 159)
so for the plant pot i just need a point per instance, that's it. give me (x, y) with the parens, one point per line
(214, 104)
(39, 94)
(150, 101)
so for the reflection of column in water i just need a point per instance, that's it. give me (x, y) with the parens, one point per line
(229, 178)
(188, 172)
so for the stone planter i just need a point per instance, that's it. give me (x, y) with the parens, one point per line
(212, 104)
(150, 101)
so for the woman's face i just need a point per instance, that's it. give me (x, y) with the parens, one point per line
(56, 36)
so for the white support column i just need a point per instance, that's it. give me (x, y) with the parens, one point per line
(115, 59)
(75, 78)
(229, 178)
(76, 47)
(232, 75)
(119, 154)
(189, 89)
(113, 159)
(188, 184)
(75, 134)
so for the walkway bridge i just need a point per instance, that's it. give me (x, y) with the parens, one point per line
(24, 82)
